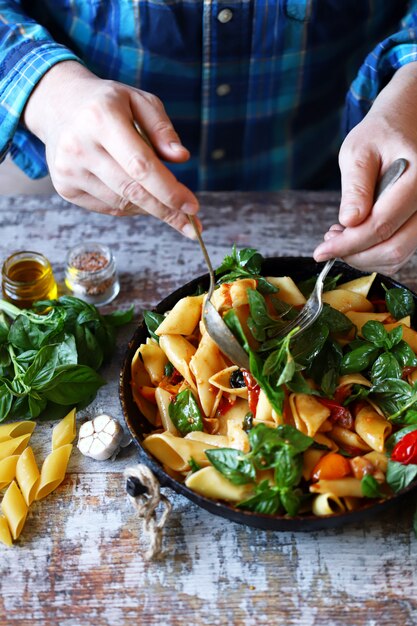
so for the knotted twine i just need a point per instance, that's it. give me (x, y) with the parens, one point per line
(146, 503)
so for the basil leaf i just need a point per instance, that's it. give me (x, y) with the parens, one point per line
(43, 367)
(385, 366)
(266, 500)
(245, 263)
(399, 476)
(233, 322)
(233, 464)
(325, 367)
(336, 321)
(370, 487)
(294, 437)
(288, 469)
(291, 500)
(6, 400)
(404, 354)
(120, 318)
(73, 385)
(185, 413)
(274, 393)
(359, 359)
(152, 321)
(194, 466)
(25, 335)
(400, 302)
(375, 333)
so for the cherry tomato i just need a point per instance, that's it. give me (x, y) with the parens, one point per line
(338, 412)
(331, 467)
(405, 451)
(253, 391)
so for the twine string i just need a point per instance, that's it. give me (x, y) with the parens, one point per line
(146, 504)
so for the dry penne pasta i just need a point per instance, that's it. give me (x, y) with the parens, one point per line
(27, 475)
(8, 470)
(14, 509)
(16, 429)
(65, 431)
(14, 446)
(53, 470)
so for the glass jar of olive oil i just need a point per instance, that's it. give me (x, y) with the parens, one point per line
(28, 277)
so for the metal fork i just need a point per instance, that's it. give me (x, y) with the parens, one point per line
(314, 305)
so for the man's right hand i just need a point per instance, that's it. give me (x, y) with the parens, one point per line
(96, 157)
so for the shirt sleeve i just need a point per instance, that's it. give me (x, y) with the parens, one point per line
(379, 67)
(27, 52)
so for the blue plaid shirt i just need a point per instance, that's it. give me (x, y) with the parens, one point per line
(260, 91)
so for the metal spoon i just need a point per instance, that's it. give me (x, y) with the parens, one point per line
(213, 321)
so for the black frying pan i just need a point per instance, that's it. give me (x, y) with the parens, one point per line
(299, 268)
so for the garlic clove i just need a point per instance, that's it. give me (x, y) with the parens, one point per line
(100, 438)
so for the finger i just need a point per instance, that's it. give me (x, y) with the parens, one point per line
(139, 161)
(389, 256)
(151, 116)
(393, 209)
(124, 192)
(359, 174)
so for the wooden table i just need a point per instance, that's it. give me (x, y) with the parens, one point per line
(79, 560)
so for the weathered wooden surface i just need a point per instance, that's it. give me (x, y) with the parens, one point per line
(79, 560)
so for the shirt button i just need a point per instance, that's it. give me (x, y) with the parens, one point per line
(223, 90)
(225, 16)
(218, 154)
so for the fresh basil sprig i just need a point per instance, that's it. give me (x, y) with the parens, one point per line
(279, 449)
(48, 361)
(244, 263)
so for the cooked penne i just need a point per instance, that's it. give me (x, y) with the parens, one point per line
(221, 380)
(163, 400)
(179, 352)
(372, 428)
(154, 361)
(343, 300)
(327, 504)
(65, 431)
(206, 362)
(53, 470)
(349, 439)
(27, 475)
(210, 483)
(309, 414)
(232, 295)
(360, 285)
(288, 290)
(183, 318)
(339, 488)
(14, 509)
(176, 452)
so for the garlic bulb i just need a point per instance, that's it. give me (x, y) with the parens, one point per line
(100, 438)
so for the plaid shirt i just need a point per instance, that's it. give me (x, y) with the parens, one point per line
(255, 88)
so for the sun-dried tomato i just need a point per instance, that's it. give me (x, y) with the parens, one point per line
(338, 413)
(253, 390)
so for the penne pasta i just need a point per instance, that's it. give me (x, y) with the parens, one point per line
(288, 290)
(5, 535)
(53, 471)
(179, 352)
(65, 431)
(372, 428)
(14, 446)
(210, 483)
(176, 452)
(16, 429)
(14, 509)
(343, 300)
(8, 470)
(339, 488)
(206, 362)
(327, 504)
(183, 318)
(27, 475)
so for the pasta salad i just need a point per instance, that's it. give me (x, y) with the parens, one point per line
(323, 422)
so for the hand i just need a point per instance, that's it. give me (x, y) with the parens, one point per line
(95, 155)
(380, 236)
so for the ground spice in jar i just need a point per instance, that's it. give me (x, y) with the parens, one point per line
(91, 273)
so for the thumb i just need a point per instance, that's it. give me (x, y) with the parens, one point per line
(359, 176)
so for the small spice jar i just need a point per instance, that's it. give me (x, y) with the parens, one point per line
(27, 277)
(91, 273)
